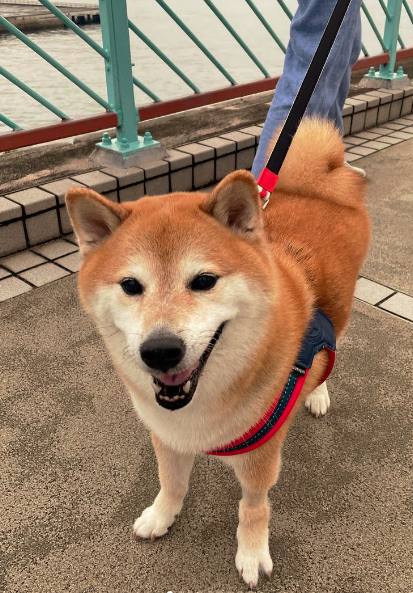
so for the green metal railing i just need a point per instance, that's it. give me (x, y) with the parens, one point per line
(50, 60)
(391, 38)
(115, 52)
(32, 93)
(141, 35)
(195, 39)
(119, 78)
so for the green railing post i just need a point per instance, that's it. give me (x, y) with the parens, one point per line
(119, 83)
(391, 33)
(387, 75)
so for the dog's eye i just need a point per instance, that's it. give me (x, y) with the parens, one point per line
(203, 282)
(131, 286)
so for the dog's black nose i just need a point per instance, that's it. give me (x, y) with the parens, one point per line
(163, 352)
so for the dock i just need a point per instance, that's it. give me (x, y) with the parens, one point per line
(29, 15)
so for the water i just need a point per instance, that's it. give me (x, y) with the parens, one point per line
(80, 59)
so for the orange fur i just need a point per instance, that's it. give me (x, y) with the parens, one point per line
(304, 251)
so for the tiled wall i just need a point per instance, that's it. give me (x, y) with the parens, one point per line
(38, 214)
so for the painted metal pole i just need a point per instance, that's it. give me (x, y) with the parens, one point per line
(118, 68)
(119, 79)
(387, 75)
(386, 12)
(391, 33)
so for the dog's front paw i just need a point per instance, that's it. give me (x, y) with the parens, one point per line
(318, 401)
(154, 522)
(250, 562)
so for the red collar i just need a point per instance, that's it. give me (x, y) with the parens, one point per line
(320, 335)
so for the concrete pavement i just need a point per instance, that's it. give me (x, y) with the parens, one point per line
(77, 466)
(390, 202)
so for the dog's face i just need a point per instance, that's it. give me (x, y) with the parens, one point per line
(170, 280)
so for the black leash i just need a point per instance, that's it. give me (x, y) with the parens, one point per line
(269, 176)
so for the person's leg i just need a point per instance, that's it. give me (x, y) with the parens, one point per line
(336, 112)
(307, 28)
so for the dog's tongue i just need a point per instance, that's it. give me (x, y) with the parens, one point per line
(177, 378)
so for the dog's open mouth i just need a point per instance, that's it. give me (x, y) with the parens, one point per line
(176, 396)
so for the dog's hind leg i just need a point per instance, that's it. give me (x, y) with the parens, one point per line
(318, 401)
(256, 474)
(174, 471)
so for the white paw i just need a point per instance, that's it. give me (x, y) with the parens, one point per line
(318, 401)
(154, 522)
(249, 563)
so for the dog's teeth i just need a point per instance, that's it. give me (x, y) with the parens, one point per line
(187, 387)
(157, 388)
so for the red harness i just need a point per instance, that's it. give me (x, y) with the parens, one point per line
(321, 332)
(320, 335)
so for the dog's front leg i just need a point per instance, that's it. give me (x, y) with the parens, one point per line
(256, 473)
(174, 471)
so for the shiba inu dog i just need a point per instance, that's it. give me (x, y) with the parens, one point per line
(203, 300)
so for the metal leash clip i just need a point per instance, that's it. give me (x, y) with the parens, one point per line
(265, 196)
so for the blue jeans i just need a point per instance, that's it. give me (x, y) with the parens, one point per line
(331, 91)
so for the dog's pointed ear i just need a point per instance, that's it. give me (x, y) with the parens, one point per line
(235, 203)
(93, 217)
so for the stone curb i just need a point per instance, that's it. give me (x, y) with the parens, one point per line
(38, 214)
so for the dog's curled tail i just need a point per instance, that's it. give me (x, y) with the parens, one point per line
(315, 165)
